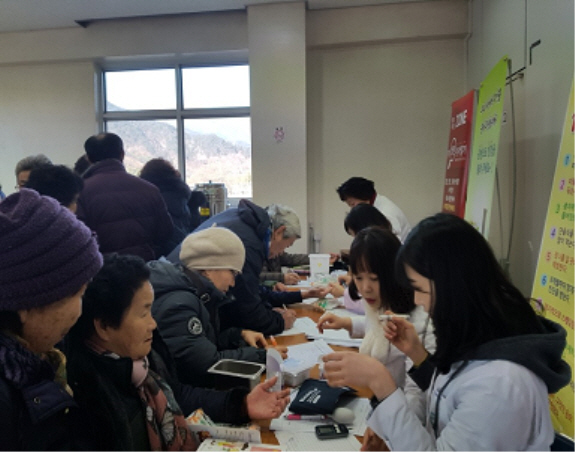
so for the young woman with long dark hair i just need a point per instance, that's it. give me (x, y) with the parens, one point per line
(371, 261)
(495, 364)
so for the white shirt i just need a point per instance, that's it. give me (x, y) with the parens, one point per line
(395, 215)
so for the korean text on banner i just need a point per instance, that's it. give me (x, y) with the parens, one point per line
(553, 285)
(456, 168)
(486, 133)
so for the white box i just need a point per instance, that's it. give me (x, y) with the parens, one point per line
(319, 265)
(293, 380)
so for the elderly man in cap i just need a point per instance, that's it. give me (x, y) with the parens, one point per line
(47, 257)
(188, 302)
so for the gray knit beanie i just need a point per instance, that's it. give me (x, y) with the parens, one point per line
(46, 253)
(212, 249)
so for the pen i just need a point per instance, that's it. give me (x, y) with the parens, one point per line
(306, 417)
(273, 341)
(285, 307)
(391, 316)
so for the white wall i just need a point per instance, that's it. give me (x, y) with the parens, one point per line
(510, 27)
(277, 48)
(379, 103)
(44, 108)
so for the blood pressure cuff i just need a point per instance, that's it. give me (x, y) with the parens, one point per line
(317, 397)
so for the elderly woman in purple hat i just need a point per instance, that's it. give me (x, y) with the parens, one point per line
(47, 257)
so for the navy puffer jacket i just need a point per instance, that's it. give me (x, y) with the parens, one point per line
(252, 225)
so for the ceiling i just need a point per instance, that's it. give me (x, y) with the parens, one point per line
(26, 15)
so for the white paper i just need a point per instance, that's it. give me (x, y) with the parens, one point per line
(308, 441)
(335, 337)
(229, 433)
(226, 445)
(304, 356)
(299, 326)
(306, 325)
(361, 408)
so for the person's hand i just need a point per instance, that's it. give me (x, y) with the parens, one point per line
(336, 290)
(358, 370)
(254, 338)
(280, 287)
(263, 404)
(344, 279)
(315, 292)
(401, 333)
(333, 257)
(291, 278)
(288, 315)
(330, 321)
(371, 441)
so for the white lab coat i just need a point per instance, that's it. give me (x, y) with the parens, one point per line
(490, 405)
(397, 363)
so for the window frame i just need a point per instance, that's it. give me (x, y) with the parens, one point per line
(179, 114)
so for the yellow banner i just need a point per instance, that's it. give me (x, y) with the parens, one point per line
(553, 285)
(484, 150)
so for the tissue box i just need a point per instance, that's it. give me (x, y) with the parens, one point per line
(230, 373)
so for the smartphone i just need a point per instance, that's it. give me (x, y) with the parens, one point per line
(331, 431)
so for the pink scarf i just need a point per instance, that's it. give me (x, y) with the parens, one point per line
(166, 425)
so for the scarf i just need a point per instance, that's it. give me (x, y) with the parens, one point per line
(374, 343)
(165, 422)
(24, 368)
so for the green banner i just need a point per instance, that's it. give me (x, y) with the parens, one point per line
(553, 285)
(486, 133)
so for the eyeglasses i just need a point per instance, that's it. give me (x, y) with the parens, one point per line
(234, 273)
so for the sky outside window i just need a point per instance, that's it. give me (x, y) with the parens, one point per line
(141, 90)
(224, 86)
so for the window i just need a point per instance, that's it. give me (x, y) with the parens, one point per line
(198, 118)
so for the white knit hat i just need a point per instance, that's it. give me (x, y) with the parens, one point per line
(212, 249)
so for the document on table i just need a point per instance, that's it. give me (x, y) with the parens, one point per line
(304, 356)
(308, 441)
(306, 325)
(297, 328)
(335, 337)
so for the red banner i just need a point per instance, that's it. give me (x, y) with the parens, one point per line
(458, 153)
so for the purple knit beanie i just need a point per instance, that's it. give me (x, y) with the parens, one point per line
(46, 253)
